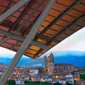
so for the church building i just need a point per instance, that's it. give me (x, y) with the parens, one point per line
(51, 68)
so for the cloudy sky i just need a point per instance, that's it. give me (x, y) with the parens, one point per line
(75, 42)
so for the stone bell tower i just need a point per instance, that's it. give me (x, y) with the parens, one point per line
(50, 64)
(45, 65)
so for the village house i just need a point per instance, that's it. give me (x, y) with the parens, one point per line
(69, 78)
(35, 78)
(81, 82)
(45, 78)
(62, 81)
(19, 81)
(64, 72)
(40, 69)
(33, 72)
(48, 79)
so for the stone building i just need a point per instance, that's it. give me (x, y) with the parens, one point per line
(49, 64)
(50, 67)
(59, 71)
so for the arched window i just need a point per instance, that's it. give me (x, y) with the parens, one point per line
(58, 67)
(46, 70)
(64, 67)
(70, 67)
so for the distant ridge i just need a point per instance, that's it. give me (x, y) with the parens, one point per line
(76, 58)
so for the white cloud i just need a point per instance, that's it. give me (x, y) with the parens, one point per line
(6, 53)
(37, 65)
(75, 42)
(4, 50)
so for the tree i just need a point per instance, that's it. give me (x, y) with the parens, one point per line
(57, 84)
(40, 73)
(27, 82)
(10, 82)
(45, 83)
(37, 83)
(82, 76)
(68, 83)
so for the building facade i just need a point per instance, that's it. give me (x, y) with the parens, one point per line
(33, 72)
(50, 67)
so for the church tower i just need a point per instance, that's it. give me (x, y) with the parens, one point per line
(45, 61)
(45, 65)
(50, 64)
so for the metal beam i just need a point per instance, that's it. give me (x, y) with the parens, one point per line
(18, 19)
(30, 15)
(63, 31)
(8, 5)
(12, 24)
(13, 9)
(27, 20)
(26, 42)
(20, 38)
(5, 39)
(26, 32)
(69, 7)
(40, 51)
(75, 22)
(14, 45)
(38, 44)
(56, 20)
(30, 26)
(21, 17)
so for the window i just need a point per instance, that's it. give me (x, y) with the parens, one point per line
(70, 67)
(64, 67)
(58, 67)
(50, 59)
(67, 71)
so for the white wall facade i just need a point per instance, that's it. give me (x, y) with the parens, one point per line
(33, 72)
(69, 78)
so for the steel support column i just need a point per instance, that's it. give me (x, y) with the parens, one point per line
(13, 9)
(26, 43)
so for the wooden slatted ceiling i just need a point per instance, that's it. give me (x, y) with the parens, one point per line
(57, 10)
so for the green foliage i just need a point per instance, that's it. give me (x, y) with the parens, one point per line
(82, 76)
(10, 82)
(40, 73)
(57, 84)
(27, 82)
(68, 83)
(37, 83)
(45, 83)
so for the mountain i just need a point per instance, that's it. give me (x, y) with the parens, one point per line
(76, 58)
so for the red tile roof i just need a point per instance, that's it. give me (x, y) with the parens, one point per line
(63, 64)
